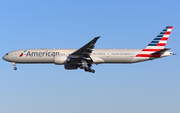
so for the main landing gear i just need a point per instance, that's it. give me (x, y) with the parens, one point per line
(14, 64)
(87, 68)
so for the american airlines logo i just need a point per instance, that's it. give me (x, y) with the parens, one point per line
(22, 53)
(39, 54)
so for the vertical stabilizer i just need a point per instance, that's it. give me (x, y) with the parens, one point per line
(160, 41)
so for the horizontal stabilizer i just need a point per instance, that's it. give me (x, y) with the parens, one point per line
(160, 52)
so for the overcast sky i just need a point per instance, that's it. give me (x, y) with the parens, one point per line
(147, 87)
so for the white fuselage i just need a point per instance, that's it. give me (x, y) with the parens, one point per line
(98, 55)
(85, 56)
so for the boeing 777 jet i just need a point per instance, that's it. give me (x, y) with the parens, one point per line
(84, 57)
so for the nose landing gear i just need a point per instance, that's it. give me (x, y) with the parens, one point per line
(14, 64)
(15, 68)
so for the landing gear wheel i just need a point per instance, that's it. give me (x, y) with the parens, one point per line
(15, 68)
(90, 70)
(89, 65)
(93, 71)
(81, 67)
(86, 69)
(14, 64)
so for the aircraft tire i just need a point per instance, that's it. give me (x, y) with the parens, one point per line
(93, 71)
(15, 68)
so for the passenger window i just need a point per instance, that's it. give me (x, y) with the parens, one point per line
(6, 53)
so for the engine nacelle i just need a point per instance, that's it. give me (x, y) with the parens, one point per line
(59, 60)
(70, 66)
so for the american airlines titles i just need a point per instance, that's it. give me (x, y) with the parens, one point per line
(42, 54)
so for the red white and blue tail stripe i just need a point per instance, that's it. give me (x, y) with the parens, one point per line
(160, 41)
(157, 44)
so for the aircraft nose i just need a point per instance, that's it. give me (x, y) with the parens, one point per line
(8, 57)
(4, 57)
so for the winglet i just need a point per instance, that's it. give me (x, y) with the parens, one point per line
(92, 42)
(96, 38)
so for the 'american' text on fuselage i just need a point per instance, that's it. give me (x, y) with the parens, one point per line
(42, 54)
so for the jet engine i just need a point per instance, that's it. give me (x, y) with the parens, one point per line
(59, 60)
(70, 66)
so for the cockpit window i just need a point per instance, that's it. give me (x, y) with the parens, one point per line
(6, 53)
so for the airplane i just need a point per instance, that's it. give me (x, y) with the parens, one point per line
(84, 57)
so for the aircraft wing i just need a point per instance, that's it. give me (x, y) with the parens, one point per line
(161, 51)
(84, 51)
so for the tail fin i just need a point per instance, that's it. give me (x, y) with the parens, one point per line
(160, 41)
